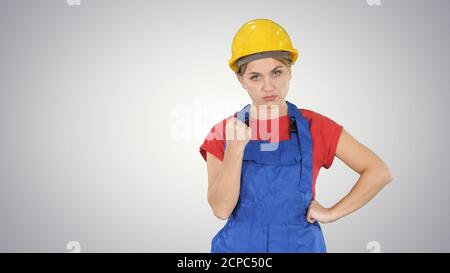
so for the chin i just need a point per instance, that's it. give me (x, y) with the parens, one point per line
(271, 103)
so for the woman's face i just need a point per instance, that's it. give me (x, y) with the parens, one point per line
(266, 81)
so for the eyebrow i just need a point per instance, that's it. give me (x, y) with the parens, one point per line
(256, 73)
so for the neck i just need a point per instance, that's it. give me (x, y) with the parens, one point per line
(263, 112)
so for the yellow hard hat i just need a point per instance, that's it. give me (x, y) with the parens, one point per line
(257, 36)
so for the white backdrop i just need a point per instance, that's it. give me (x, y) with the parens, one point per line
(103, 106)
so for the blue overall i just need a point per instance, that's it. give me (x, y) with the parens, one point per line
(275, 192)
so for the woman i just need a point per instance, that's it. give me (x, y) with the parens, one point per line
(263, 162)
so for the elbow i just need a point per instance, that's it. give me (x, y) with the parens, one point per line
(222, 215)
(380, 173)
(219, 212)
(386, 175)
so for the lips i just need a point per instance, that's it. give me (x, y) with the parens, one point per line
(269, 98)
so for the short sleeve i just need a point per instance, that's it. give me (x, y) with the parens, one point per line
(214, 142)
(330, 133)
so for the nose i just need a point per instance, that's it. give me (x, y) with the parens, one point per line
(268, 85)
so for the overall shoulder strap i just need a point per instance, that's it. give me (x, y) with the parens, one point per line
(305, 143)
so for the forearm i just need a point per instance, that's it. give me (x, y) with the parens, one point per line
(368, 185)
(224, 193)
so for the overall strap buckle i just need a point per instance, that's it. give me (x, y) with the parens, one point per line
(293, 125)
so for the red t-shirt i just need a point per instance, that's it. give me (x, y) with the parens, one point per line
(325, 135)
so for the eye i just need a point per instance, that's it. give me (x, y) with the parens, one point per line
(277, 73)
(254, 78)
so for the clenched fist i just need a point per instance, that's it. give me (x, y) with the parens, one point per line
(316, 212)
(237, 133)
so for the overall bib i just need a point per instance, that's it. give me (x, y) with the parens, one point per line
(276, 190)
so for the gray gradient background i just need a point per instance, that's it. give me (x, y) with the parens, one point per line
(103, 107)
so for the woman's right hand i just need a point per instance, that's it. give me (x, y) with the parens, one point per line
(237, 134)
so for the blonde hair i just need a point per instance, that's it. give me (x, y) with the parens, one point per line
(242, 68)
